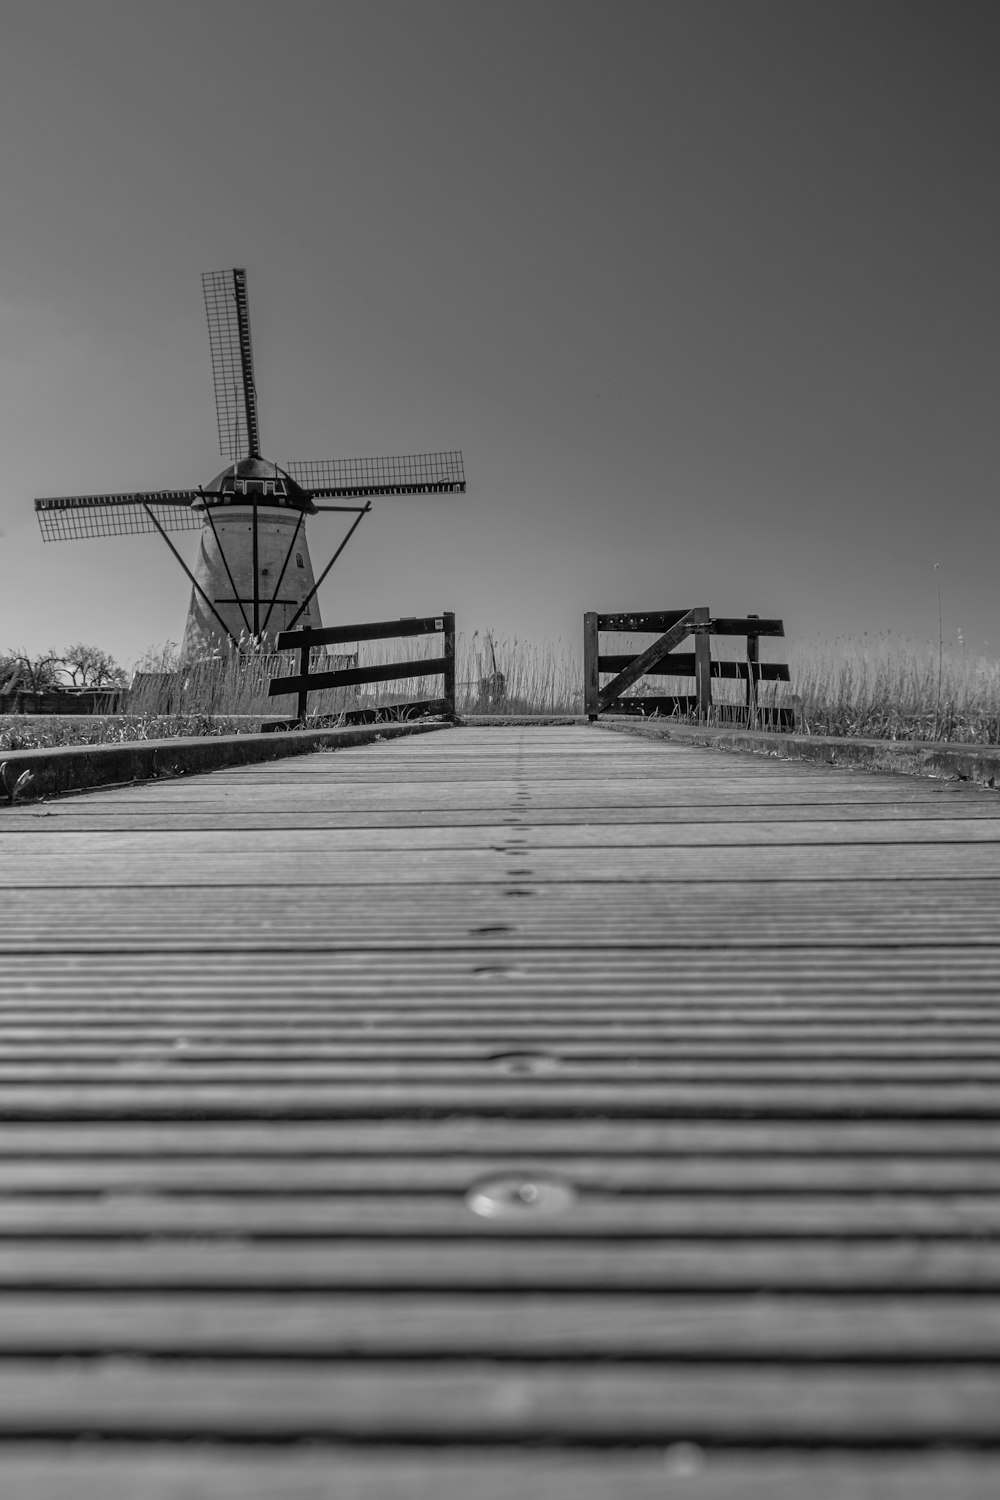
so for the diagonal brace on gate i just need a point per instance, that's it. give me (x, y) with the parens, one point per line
(653, 654)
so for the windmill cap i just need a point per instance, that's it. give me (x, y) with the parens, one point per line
(256, 481)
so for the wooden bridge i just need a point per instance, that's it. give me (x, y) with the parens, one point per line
(499, 1113)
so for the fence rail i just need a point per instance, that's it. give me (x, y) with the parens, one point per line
(306, 681)
(662, 659)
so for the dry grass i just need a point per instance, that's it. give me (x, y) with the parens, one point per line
(229, 694)
(231, 685)
(519, 677)
(493, 675)
(887, 687)
(42, 732)
(877, 687)
(867, 687)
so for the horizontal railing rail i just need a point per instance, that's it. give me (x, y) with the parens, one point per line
(662, 659)
(307, 681)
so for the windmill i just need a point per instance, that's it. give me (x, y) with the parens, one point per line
(253, 576)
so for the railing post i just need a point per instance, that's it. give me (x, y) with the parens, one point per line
(304, 651)
(591, 676)
(703, 661)
(753, 671)
(448, 619)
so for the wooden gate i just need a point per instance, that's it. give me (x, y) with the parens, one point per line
(662, 659)
(306, 681)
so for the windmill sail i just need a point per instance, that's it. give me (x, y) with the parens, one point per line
(412, 474)
(232, 362)
(64, 518)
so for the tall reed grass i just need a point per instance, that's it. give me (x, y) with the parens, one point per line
(232, 684)
(497, 675)
(878, 687)
(887, 687)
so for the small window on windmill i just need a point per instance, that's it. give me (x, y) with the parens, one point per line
(298, 560)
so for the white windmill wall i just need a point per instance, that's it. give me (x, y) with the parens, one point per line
(234, 528)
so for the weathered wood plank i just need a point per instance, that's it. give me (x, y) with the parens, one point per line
(894, 1264)
(591, 676)
(682, 1471)
(954, 862)
(612, 976)
(818, 1011)
(637, 623)
(682, 664)
(793, 1328)
(152, 1097)
(430, 666)
(263, 1175)
(736, 1216)
(643, 1142)
(395, 1053)
(497, 838)
(561, 1074)
(699, 1016)
(359, 806)
(455, 1401)
(745, 625)
(747, 915)
(371, 630)
(69, 816)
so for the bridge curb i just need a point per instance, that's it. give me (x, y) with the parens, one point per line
(974, 763)
(64, 769)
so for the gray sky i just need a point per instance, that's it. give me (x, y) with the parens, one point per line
(706, 290)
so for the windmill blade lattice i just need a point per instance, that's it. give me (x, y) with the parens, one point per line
(410, 474)
(64, 518)
(228, 315)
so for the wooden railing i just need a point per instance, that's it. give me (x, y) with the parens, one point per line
(307, 681)
(661, 659)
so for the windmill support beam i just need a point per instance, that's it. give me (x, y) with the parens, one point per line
(256, 575)
(361, 511)
(193, 579)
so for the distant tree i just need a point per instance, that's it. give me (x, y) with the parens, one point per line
(31, 674)
(89, 666)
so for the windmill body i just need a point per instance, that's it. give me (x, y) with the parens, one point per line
(253, 576)
(253, 562)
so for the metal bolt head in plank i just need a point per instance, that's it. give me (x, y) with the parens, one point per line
(526, 1062)
(516, 1195)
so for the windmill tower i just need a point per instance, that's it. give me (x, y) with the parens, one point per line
(253, 575)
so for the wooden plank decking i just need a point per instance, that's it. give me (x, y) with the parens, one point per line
(502, 1112)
